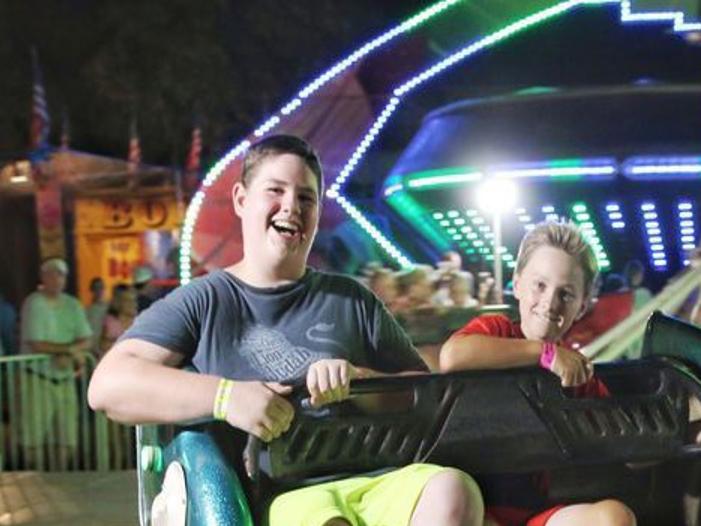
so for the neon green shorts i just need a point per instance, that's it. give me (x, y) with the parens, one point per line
(383, 500)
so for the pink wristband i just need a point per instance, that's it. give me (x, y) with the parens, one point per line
(547, 356)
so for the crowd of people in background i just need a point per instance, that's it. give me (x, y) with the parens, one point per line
(447, 285)
(108, 315)
(55, 323)
(424, 287)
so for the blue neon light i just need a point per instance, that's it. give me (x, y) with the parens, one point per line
(671, 167)
(459, 56)
(655, 243)
(594, 169)
(687, 230)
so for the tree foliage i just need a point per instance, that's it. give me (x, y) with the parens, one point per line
(166, 62)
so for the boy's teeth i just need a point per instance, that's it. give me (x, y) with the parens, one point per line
(285, 225)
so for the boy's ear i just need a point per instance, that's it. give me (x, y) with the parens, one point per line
(583, 308)
(517, 287)
(238, 195)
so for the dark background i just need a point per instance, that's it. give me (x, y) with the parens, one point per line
(227, 63)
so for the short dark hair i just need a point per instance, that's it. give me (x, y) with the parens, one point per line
(278, 145)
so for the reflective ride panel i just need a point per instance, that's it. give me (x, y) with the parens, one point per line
(214, 493)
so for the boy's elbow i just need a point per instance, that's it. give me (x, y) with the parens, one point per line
(97, 393)
(446, 358)
(455, 355)
(94, 399)
(103, 386)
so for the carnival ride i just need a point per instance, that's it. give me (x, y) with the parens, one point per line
(623, 446)
(362, 112)
(588, 445)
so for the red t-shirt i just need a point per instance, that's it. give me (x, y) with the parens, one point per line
(502, 327)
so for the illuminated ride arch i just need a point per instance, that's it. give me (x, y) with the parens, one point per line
(342, 114)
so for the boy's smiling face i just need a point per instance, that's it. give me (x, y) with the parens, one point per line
(279, 211)
(551, 294)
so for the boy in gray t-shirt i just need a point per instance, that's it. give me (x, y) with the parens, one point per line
(268, 319)
(278, 332)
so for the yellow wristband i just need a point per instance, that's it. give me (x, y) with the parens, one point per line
(221, 399)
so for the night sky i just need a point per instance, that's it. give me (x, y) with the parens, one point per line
(229, 63)
(226, 63)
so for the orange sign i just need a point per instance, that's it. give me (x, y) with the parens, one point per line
(126, 215)
(109, 236)
(119, 256)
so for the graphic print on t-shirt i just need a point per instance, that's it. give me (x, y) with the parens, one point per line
(275, 358)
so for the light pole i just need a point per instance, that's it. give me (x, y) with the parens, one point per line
(497, 196)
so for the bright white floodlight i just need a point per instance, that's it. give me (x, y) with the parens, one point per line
(496, 196)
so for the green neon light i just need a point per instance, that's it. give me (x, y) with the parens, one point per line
(485, 42)
(571, 169)
(437, 172)
(565, 163)
(444, 180)
(475, 238)
(583, 219)
(537, 90)
(419, 218)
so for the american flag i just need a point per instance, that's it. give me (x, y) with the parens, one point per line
(134, 154)
(40, 123)
(192, 163)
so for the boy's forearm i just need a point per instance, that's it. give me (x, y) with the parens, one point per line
(136, 391)
(477, 351)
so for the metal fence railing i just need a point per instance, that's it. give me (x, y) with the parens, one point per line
(46, 424)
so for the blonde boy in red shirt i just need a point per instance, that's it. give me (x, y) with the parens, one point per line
(554, 274)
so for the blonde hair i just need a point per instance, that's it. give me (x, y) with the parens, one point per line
(567, 237)
(378, 275)
(413, 276)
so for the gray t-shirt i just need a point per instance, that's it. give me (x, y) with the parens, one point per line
(224, 326)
